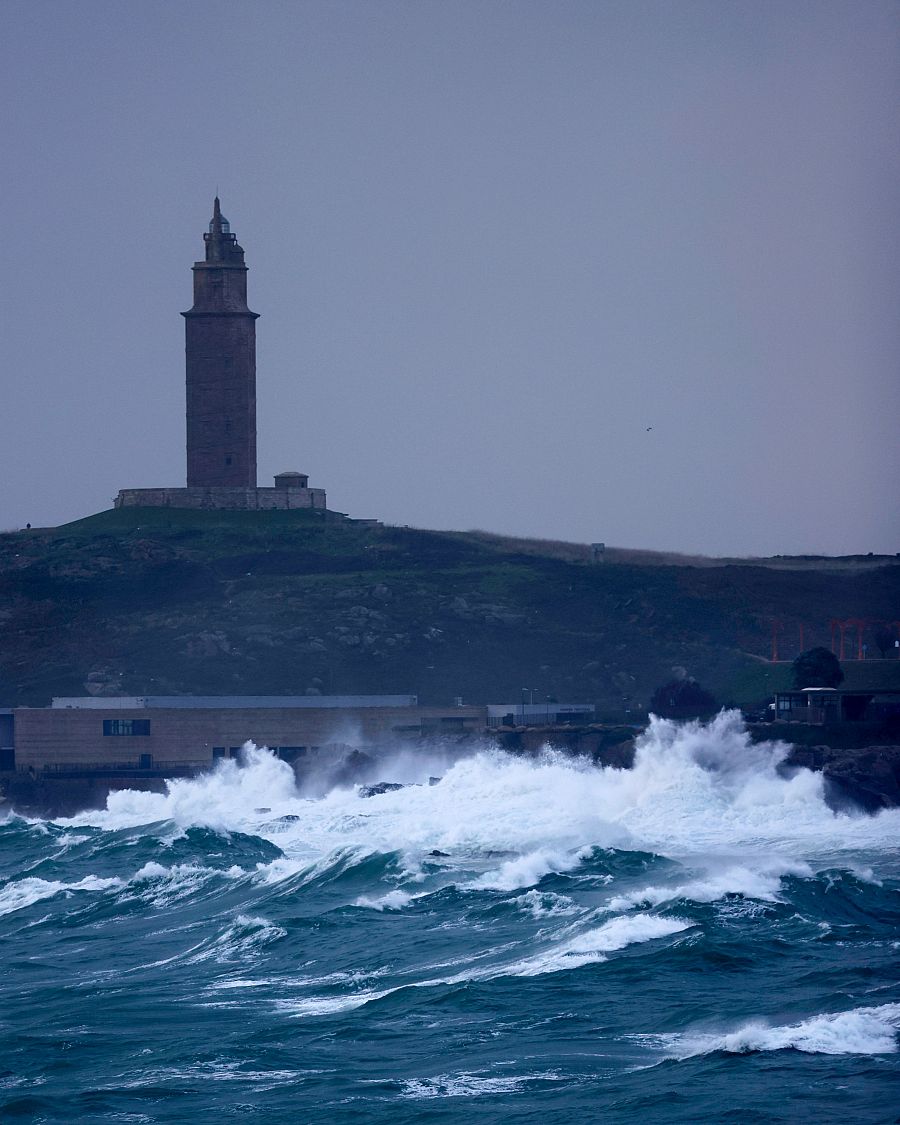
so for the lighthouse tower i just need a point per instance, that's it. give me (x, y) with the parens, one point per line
(220, 353)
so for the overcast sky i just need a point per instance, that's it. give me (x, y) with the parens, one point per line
(491, 243)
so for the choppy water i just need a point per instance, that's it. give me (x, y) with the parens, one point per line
(697, 939)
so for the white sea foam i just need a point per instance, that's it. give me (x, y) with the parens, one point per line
(245, 939)
(224, 799)
(862, 1031)
(24, 892)
(214, 1071)
(163, 886)
(763, 882)
(330, 1005)
(472, 1085)
(525, 870)
(592, 946)
(546, 904)
(393, 900)
(694, 791)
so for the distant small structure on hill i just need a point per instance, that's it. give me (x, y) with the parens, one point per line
(220, 354)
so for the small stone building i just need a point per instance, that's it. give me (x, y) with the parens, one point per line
(291, 491)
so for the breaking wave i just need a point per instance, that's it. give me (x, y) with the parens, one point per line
(693, 788)
(862, 1031)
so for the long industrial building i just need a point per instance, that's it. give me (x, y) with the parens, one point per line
(167, 736)
(183, 734)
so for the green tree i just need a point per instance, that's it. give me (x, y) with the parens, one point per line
(682, 699)
(818, 667)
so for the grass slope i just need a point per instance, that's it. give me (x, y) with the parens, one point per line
(153, 601)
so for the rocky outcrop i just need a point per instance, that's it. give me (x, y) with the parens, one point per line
(868, 778)
(611, 745)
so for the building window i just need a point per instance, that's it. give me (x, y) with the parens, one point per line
(218, 752)
(288, 753)
(126, 726)
(227, 425)
(228, 459)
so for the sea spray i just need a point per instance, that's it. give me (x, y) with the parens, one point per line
(693, 788)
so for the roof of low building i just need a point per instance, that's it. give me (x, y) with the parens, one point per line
(223, 702)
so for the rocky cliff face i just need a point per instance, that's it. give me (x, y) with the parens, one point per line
(867, 778)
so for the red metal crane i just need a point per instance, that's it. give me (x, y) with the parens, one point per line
(841, 627)
(777, 627)
(859, 624)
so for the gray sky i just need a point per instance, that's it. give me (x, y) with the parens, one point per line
(491, 243)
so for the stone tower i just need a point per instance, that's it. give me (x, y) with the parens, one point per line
(220, 351)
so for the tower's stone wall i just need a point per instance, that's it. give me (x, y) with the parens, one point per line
(220, 356)
(220, 366)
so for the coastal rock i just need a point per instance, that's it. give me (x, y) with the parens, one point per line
(206, 645)
(868, 778)
(379, 788)
(459, 607)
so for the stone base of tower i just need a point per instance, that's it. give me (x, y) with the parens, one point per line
(222, 499)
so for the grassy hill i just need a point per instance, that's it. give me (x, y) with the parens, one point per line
(155, 601)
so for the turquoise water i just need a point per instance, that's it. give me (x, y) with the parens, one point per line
(698, 939)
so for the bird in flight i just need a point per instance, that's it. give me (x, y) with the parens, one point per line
(649, 428)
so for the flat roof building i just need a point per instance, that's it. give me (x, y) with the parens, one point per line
(538, 714)
(821, 705)
(160, 736)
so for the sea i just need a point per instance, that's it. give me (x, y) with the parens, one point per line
(701, 938)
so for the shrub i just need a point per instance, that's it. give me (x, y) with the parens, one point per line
(682, 699)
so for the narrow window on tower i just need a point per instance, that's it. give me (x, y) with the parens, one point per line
(227, 459)
(227, 425)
